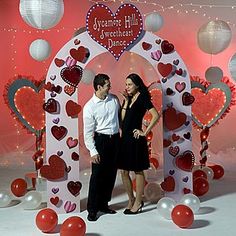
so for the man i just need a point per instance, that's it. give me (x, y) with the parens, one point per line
(101, 136)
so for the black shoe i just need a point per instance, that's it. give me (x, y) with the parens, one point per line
(92, 216)
(107, 210)
(129, 212)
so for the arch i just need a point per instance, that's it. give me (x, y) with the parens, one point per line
(62, 130)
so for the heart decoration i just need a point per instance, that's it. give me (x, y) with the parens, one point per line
(166, 143)
(75, 156)
(69, 90)
(51, 106)
(71, 143)
(187, 135)
(186, 190)
(168, 184)
(185, 161)
(167, 47)
(174, 151)
(175, 137)
(72, 75)
(74, 187)
(69, 206)
(115, 32)
(81, 54)
(180, 86)
(54, 200)
(211, 102)
(55, 170)
(59, 132)
(70, 61)
(169, 92)
(187, 99)
(146, 46)
(164, 69)
(172, 120)
(30, 114)
(156, 55)
(59, 62)
(55, 190)
(72, 109)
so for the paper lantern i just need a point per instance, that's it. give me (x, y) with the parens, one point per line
(214, 37)
(88, 76)
(153, 22)
(42, 14)
(232, 66)
(214, 74)
(40, 49)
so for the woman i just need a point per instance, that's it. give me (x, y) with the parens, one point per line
(134, 148)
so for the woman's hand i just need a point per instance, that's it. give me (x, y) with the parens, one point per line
(124, 95)
(138, 133)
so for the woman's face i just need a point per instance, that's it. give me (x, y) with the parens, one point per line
(130, 87)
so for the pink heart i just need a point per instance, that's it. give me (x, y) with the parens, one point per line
(156, 55)
(180, 86)
(70, 61)
(71, 142)
(69, 207)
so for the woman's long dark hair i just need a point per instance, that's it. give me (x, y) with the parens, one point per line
(142, 88)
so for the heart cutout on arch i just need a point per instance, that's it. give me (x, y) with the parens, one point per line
(210, 103)
(185, 161)
(30, 114)
(115, 32)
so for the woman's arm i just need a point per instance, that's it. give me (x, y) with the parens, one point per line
(155, 117)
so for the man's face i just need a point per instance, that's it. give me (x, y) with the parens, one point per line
(104, 90)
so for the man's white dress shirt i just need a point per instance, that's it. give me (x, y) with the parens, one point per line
(100, 116)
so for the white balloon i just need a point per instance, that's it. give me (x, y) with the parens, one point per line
(153, 192)
(214, 74)
(153, 22)
(232, 66)
(165, 206)
(209, 172)
(41, 14)
(192, 201)
(88, 76)
(40, 49)
(214, 37)
(5, 198)
(196, 167)
(32, 200)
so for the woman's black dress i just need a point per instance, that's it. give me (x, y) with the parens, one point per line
(133, 155)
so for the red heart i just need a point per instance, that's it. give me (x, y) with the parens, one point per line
(174, 151)
(146, 46)
(167, 47)
(51, 106)
(72, 75)
(180, 86)
(54, 200)
(186, 190)
(55, 170)
(81, 54)
(168, 184)
(75, 156)
(187, 99)
(116, 31)
(164, 69)
(59, 132)
(59, 62)
(185, 161)
(29, 104)
(69, 90)
(175, 137)
(72, 109)
(166, 143)
(172, 120)
(74, 187)
(179, 72)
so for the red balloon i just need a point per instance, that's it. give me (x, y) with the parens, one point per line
(46, 220)
(19, 187)
(154, 161)
(199, 173)
(218, 171)
(149, 136)
(73, 226)
(182, 216)
(200, 186)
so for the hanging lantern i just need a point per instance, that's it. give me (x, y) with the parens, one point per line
(42, 14)
(40, 49)
(153, 22)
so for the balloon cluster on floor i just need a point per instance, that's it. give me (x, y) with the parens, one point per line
(47, 221)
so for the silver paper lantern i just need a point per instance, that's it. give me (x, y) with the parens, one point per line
(232, 66)
(153, 22)
(42, 14)
(40, 49)
(214, 74)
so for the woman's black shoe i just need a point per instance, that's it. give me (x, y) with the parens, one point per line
(92, 216)
(129, 212)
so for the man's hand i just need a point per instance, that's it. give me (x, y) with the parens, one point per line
(95, 159)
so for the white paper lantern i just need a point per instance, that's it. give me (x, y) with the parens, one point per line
(214, 37)
(88, 76)
(153, 22)
(40, 49)
(42, 14)
(214, 74)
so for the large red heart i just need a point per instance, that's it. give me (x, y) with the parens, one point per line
(55, 170)
(81, 54)
(72, 109)
(172, 120)
(210, 103)
(164, 69)
(167, 47)
(74, 187)
(185, 161)
(59, 132)
(72, 75)
(116, 31)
